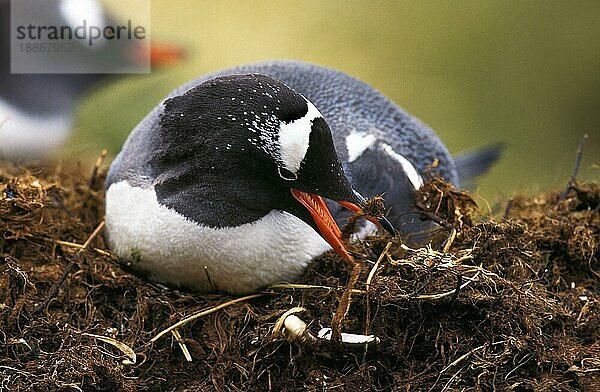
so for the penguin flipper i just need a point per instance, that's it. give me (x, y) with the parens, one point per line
(473, 163)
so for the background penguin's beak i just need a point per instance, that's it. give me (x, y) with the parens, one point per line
(382, 221)
(160, 54)
(327, 225)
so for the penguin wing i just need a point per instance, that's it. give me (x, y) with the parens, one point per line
(133, 162)
(473, 163)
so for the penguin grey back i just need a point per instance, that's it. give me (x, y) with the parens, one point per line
(350, 105)
(347, 104)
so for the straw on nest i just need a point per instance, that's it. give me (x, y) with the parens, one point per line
(509, 305)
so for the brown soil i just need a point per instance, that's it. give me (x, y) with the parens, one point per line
(525, 317)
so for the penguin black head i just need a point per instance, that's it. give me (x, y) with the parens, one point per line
(236, 147)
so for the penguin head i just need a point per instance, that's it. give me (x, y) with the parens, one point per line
(251, 141)
(380, 167)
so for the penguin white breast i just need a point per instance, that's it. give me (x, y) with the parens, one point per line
(176, 250)
(23, 135)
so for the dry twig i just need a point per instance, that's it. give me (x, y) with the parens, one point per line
(72, 264)
(202, 313)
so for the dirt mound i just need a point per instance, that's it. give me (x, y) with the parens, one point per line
(497, 305)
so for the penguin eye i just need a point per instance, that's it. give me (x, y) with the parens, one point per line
(287, 174)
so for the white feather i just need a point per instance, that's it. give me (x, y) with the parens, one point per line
(178, 251)
(23, 135)
(294, 138)
(357, 143)
(366, 229)
(74, 12)
(410, 171)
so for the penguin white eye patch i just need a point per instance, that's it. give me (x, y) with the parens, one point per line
(294, 138)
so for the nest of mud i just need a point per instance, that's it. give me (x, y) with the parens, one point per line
(507, 304)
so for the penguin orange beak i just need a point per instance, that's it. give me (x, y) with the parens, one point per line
(324, 221)
(160, 54)
(327, 225)
(166, 54)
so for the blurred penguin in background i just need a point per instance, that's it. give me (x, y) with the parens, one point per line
(37, 110)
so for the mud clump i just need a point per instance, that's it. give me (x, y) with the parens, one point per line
(507, 304)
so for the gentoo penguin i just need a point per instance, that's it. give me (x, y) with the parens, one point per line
(219, 188)
(384, 150)
(36, 110)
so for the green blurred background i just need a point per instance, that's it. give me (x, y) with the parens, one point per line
(523, 72)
